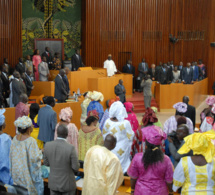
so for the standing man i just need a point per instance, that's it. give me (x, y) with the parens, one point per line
(130, 69)
(47, 121)
(180, 67)
(143, 69)
(147, 92)
(62, 159)
(29, 66)
(153, 72)
(48, 56)
(110, 66)
(102, 169)
(195, 71)
(20, 67)
(191, 111)
(28, 82)
(120, 91)
(76, 60)
(60, 87)
(163, 75)
(6, 83)
(65, 80)
(187, 74)
(43, 70)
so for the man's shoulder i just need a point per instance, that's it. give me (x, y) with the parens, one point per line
(191, 107)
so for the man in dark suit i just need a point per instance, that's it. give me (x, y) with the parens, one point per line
(153, 72)
(48, 56)
(6, 84)
(143, 69)
(120, 91)
(60, 87)
(28, 82)
(20, 67)
(164, 75)
(191, 111)
(195, 71)
(65, 80)
(47, 121)
(187, 74)
(76, 60)
(63, 161)
(130, 69)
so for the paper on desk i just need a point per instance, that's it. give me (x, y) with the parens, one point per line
(79, 183)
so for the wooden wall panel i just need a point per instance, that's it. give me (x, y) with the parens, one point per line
(142, 27)
(10, 30)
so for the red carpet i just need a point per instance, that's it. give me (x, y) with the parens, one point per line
(138, 100)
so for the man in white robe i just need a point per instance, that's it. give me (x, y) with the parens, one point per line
(110, 66)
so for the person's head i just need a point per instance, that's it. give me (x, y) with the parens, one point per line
(77, 51)
(168, 63)
(96, 96)
(34, 109)
(147, 77)
(2, 119)
(182, 131)
(62, 72)
(160, 63)
(16, 74)
(23, 98)
(109, 57)
(129, 107)
(47, 49)
(188, 65)
(175, 68)
(192, 63)
(110, 142)
(181, 63)
(153, 66)
(153, 137)
(149, 117)
(24, 125)
(66, 114)
(92, 121)
(164, 65)
(36, 52)
(181, 108)
(111, 101)
(66, 70)
(129, 62)
(21, 60)
(186, 99)
(181, 120)
(28, 57)
(171, 62)
(50, 101)
(200, 61)
(117, 111)
(4, 69)
(210, 101)
(5, 60)
(62, 131)
(56, 54)
(44, 59)
(29, 72)
(195, 63)
(120, 81)
(143, 60)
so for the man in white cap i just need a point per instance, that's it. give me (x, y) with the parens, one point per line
(110, 66)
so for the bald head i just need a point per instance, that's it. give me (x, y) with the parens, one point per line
(110, 142)
(186, 99)
(62, 131)
(62, 72)
(23, 98)
(182, 131)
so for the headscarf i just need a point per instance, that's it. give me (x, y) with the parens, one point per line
(117, 110)
(149, 116)
(210, 100)
(213, 109)
(96, 96)
(111, 101)
(23, 122)
(128, 106)
(93, 113)
(89, 94)
(2, 117)
(153, 134)
(154, 109)
(66, 114)
(200, 143)
(180, 107)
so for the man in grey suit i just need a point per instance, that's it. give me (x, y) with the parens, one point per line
(187, 74)
(60, 87)
(143, 69)
(63, 161)
(43, 70)
(120, 91)
(147, 92)
(47, 120)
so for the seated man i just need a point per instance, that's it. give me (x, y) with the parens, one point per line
(181, 132)
(102, 169)
(22, 109)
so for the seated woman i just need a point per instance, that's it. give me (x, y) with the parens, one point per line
(34, 109)
(210, 101)
(65, 119)
(208, 122)
(89, 135)
(84, 106)
(195, 174)
(95, 103)
(151, 172)
(132, 118)
(170, 124)
(5, 143)
(56, 62)
(121, 129)
(176, 75)
(25, 158)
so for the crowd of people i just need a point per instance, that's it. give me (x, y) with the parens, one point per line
(110, 144)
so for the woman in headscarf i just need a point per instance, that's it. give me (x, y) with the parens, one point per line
(158, 123)
(121, 129)
(95, 103)
(151, 172)
(65, 119)
(208, 122)
(148, 120)
(25, 158)
(34, 109)
(89, 134)
(5, 143)
(170, 124)
(84, 106)
(207, 111)
(195, 174)
(132, 118)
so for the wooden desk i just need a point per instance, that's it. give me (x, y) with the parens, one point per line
(43, 87)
